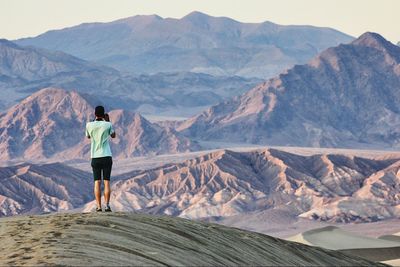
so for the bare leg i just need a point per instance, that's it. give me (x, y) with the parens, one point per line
(107, 191)
(97, 192)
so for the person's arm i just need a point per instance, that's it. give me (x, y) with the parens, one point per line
(87, 133)
(112, 131)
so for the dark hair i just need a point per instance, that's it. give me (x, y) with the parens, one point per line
(99, 111)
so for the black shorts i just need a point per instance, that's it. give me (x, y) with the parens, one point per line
(100, 165)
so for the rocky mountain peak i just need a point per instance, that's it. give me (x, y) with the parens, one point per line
(125, 118)
(139, 20)
(27, 63)
(206, 22)
(196, 15)
(52, 102)
(148, 17)
(7, 43)
(51, 94)
(373, 40)
(347, 96)
(51, 124)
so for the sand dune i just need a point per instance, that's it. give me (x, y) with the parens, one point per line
(394, 237)
(384, 249)
(331, 237)
(393, 262)
(93, 239)
(375, 254)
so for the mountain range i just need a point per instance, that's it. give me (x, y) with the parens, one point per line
(347, 96)
(224, 183)
(220, 184)
(51, 123)
(196, 43)
(35, 189)
(25, 70)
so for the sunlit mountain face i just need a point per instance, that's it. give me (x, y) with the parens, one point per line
(347, 96)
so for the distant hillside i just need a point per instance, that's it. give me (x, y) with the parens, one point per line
(125, 239)
(25, 70)
(51, 124)
(220, 184)
(196, 43)
(347, 96)
(35, 189)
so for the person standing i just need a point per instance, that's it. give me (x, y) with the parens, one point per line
(99, 131)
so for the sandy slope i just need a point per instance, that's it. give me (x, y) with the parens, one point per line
(395, 259)
(133, 239)
(393, 262)
(282, 224)
(393, 237)
(334, 238)
(376, 254)
(384, 249)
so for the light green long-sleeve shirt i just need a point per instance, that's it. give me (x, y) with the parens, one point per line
(99, 133)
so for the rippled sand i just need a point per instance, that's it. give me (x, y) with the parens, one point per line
(137, 239)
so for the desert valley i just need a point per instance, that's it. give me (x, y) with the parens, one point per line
(281, 132)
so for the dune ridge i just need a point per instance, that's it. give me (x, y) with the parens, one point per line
(93, 239)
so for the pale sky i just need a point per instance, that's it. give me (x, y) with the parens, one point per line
(24, 18)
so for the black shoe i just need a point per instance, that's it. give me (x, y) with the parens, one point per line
(99, 210)
(107, 209)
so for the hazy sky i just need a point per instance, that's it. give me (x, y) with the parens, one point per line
(22, 18)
